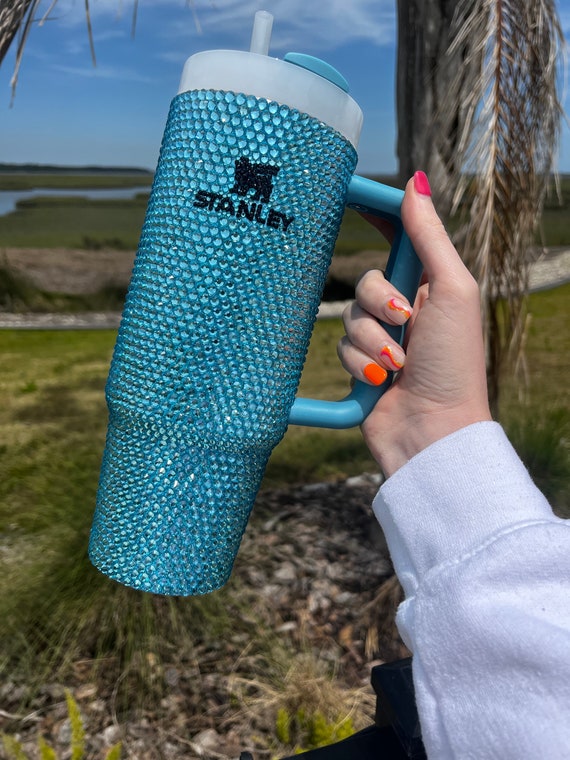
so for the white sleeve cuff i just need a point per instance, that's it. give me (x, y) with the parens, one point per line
(454, 496)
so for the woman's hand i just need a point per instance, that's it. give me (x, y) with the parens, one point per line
(442, 383)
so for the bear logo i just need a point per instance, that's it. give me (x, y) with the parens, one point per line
(256, 177)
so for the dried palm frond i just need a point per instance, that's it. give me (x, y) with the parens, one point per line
(509, 157)
(17, 18)
(12, 15)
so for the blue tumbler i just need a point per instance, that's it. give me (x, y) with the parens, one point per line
(255, 170)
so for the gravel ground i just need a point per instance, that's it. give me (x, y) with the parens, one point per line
(315, 567)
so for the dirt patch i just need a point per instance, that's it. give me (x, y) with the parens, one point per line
(70, 271)
(81, 272)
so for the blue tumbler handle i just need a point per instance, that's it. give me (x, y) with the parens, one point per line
(404, 271)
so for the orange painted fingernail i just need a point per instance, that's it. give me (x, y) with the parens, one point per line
(400, 307)
(395, 356)
(375, 374)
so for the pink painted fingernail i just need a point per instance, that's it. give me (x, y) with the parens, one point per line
(421, 183)
(402, 310)
(375, 374)
(394, 355)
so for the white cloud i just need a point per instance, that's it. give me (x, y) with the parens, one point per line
(325, 23)
(117, 73)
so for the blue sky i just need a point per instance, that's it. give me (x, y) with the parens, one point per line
(67, 111)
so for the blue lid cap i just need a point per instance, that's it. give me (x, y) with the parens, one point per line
(317, 66)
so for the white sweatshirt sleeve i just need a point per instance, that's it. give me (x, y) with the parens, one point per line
(485, 566)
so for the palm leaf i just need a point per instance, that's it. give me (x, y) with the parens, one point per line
(17, 18)
(12, 15)
(508, 155)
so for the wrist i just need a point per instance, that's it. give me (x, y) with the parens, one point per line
(408, 439)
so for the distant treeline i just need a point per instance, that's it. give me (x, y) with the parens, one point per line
(56, 169)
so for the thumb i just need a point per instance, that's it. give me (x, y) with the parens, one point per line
(427, 233)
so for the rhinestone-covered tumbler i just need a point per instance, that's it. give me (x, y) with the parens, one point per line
(240, 228)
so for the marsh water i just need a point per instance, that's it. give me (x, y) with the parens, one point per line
(10, 198)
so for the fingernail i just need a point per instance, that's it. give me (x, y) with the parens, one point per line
(421, 183)
(400, 308)
(395, 356)
(375, 374)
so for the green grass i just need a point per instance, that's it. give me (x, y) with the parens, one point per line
(537, 417)
(311, 454)
(54, 606)
(358, 235)
(74, 222)
(554, 229)
(77, 222)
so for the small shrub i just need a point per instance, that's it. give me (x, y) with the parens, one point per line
(46, 752)
(303, 706)
(283, 726)
(14, 749)
(30, 387)
(95, 243)
(16, 292)
(77, 729)
(310, 731)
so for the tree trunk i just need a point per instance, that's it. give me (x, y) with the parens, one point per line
(428, 76)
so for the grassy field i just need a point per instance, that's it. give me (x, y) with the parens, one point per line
(71, 181)
(47, 222)
(74, 222)
(77, 222)
(537, 415)
(555, 223)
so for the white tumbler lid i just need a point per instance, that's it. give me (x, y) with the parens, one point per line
(299, 81)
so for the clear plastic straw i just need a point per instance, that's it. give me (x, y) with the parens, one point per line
(261, 34)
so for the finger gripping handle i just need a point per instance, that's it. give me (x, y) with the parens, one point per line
(404, 271)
